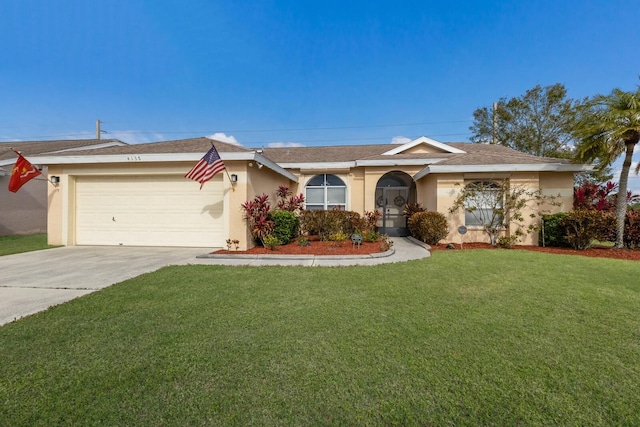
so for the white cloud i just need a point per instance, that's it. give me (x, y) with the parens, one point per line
(284, 144)
(400, 140)
(223, 137)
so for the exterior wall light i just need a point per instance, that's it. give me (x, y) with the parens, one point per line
(234, 178)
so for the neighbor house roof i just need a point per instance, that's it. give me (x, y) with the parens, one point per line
(33, 148)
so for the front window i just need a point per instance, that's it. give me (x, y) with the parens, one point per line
(325, 192)
(483, 204)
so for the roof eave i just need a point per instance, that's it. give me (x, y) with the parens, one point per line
(160, 157)
(535, 167)
(398, 162)
(318, 165)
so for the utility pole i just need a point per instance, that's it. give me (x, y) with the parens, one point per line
(98, 129)
(495, 122)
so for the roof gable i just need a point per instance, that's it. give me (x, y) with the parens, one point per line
(423, 145)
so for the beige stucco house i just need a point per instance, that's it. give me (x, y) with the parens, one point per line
(25, 212)
(137, 194)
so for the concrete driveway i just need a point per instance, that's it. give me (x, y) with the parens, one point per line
(33, 281)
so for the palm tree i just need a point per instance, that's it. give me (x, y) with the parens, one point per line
(609, 126)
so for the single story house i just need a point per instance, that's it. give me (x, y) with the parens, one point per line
(25, 212)
(138, 195)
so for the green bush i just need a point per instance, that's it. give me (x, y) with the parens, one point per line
(583, 226)
(507, 242)
(632, 230)
(552, 232)
(326, 223)
(429, 227)
(286, 225)
(339, 238)
(271, 242)
(370, 236)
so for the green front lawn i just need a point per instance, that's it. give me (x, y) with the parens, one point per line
(476, 337)
(17, 244)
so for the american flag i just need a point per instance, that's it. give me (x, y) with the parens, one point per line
(207, 167)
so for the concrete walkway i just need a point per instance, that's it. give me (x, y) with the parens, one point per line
(34, 281)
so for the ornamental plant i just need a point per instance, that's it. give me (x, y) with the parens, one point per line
(429, 227)
(287, 201)
(256, 215)
(584, 226)
(285, 225)
(632, 230)
(552, 232)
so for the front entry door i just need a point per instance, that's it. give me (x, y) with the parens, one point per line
(390, 203)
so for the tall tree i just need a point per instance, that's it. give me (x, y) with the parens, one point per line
(608, 126)
(540, 122)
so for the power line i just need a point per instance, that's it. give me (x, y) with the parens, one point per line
(238, 131)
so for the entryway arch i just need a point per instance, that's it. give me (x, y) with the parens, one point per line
(393, 191)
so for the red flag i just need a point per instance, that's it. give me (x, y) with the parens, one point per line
(22, 173)
(207, 167)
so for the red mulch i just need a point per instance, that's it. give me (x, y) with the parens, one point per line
(315, 248)
(329, 248)
(596, 251)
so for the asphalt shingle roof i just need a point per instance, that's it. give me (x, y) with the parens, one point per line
(474, 154)
(32, 148)
(191, 145)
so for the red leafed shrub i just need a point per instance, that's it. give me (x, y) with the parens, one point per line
(287, 201)
(600, 197)
(583, 226)
(256, 214)
(632, 230)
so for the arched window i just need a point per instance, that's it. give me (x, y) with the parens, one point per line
(325, 192)
(483, 204)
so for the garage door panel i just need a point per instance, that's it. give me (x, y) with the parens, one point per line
(149, 211)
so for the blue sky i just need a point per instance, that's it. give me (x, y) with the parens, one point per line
(297, 72)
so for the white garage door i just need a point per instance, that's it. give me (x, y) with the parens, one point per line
(149, 210)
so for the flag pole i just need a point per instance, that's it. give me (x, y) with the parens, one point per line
(225, 169)
(19, 153)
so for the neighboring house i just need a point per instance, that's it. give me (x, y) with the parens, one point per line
(137, 194)
(25, 212)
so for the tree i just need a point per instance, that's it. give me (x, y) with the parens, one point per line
(540, 122)
(495, 205)
(607, 127)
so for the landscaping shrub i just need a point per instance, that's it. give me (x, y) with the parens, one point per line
(429, 227)
(552, 232)
(285, 225)
(339, 238)
(632, 230)
(256, 215)
(326, 223)
(271, 242)
(507, 242)
(412, 208)
(583, 226)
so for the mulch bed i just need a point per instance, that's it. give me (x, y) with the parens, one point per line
(330, 248)
(315, 248)
(596, 251)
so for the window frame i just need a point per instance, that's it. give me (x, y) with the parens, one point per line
(490, 220)
(326, 186)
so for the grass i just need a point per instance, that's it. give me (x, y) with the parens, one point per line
(479, 337)
(27, 243)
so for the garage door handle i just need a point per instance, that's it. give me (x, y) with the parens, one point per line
(113, 219)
